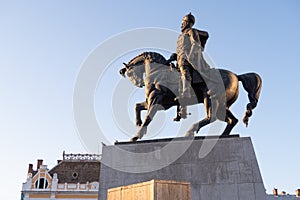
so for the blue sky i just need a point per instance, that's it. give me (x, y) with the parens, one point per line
(44, 43)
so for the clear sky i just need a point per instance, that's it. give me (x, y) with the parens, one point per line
(44, 43)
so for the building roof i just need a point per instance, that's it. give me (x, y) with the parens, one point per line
(77, 171)
(282, 197)
(77, 168)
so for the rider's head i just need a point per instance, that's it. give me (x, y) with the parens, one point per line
(187, 22)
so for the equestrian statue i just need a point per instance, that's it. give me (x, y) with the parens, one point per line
(189, 82)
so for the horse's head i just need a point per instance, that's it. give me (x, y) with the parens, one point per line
(135, 68)
(134, 73)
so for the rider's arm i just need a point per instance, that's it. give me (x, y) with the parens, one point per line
(172, 58)
(203, 37)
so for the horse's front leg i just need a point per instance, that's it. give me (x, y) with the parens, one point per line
(153, 106)
(138, 108)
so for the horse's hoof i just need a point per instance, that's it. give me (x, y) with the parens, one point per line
(138, 123)
(246, 120)
(134, 139)
(190, 134)
(177, 118)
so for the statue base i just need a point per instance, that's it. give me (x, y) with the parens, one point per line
(216, 167)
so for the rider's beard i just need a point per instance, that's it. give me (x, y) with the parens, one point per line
(184, 26)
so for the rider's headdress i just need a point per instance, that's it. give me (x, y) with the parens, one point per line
(190, 18)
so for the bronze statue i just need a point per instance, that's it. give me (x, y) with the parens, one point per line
(161, 87)
(190, 45)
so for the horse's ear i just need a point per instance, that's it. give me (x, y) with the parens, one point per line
(125, 65)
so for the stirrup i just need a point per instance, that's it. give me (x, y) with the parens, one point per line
(183, 112)
(183, 115)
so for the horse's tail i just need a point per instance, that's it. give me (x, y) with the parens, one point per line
(252, 83)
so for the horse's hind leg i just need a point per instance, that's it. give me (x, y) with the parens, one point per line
(231, 122)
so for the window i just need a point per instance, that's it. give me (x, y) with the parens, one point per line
(41, 183)
(75, 175)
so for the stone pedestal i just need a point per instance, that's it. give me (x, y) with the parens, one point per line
(217, 168)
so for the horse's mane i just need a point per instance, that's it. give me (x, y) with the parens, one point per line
(152, 56)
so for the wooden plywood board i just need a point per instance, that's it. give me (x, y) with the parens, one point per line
(152, 190)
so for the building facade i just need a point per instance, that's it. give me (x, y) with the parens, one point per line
(76, 177)
(73, 178)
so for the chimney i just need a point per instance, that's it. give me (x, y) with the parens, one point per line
(39, 163)
(30, 168)
(283, 193)
(298, 193)
(275, 192)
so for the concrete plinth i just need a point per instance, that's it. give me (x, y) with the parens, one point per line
(217, 168)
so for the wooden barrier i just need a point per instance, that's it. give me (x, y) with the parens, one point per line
(152, 190)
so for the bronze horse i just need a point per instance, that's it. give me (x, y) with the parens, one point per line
(152, 70)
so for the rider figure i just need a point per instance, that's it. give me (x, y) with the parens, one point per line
(190, 45)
